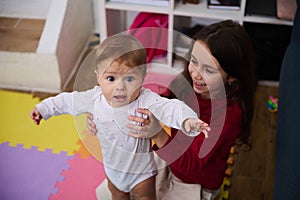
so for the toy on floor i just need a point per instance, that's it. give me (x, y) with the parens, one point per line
(272, 104)
(224, 193)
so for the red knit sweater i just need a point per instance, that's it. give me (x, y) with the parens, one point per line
(182, 152)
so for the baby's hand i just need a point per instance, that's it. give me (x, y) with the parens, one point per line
(36, 116)
(194, 124)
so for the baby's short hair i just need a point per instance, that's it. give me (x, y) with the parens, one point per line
(121, 48)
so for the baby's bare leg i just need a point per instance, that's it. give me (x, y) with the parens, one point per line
(145, 190)
(116, 193)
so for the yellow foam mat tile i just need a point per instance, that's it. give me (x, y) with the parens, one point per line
(57, 133)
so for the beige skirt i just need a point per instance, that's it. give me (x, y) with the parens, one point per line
(169, 187)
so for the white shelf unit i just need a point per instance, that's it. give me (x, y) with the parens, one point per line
(175, 10)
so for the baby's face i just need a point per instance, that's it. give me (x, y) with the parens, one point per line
(120, 83)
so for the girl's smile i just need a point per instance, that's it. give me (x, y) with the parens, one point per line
(199, 84)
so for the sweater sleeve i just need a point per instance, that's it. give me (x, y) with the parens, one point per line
(74, 103)
(183, 153)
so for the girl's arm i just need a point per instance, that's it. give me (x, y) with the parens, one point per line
(161, 138)
(184, 152)
(151, 128)
(192, 154)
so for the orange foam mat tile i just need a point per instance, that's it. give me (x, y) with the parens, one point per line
(89, 146)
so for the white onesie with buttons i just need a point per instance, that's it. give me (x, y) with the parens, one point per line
(127, 160)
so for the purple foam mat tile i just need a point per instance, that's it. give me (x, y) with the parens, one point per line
(28, 173)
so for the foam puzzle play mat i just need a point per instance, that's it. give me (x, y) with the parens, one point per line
(58, 159)
(55, 160)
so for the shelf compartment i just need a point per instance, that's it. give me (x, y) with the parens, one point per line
(266, 20)
(137, 7)
(202, 11)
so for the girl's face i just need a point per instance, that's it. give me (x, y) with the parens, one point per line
(120, 83)
(207, 75)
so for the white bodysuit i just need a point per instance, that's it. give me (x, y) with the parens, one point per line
(127, 160)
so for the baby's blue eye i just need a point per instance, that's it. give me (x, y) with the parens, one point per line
(129, 79)
(111, 78)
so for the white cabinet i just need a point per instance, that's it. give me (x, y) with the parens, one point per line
(112, 16)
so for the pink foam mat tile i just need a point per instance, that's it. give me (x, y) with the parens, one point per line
(81, 180)
(29, 173)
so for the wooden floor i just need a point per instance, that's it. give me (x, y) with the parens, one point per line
(253, 171)
(20, 35)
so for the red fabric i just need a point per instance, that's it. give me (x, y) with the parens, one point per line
(155, 40)
(182, 152)
(158, 82)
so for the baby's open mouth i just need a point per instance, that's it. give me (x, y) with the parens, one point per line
(120, 98)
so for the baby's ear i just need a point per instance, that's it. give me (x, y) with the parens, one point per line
(96, 72)
(98, 76)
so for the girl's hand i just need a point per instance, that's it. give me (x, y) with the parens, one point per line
(196, 125)
(36, 116)
(146, 127)
(90, 124)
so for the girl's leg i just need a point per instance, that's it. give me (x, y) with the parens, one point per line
(145, 190)
(116, 193)
(162, 180)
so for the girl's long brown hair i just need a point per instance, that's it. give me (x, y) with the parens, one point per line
(231, 45)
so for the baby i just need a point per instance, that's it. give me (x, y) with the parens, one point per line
(128, 162)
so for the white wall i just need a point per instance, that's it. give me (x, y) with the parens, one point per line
(96, 16)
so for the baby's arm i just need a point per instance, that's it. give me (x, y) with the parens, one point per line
(49, 107)
(36, 116)
(73, 103)
(196, 125)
